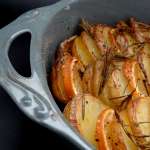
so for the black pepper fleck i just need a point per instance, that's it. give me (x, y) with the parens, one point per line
(116, 144)
(96, 140)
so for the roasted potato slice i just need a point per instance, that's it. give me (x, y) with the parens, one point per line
(139, 118)
(140, 30)
(103, 37)
(125, 120)
(71, 69)
(87, 79)
(65, 47)
(126, 45)
(110, 133)
(119, 136)
(126, 126)
(92, 78)
(66, 78)
(135, 76)
(116, 88)
(102, 34)
(124, 40)
(80, 51)
(97, 77)
(144, 60)
(118, 39)
(103, 129)
(124, 78)
(82, 112)
(59, 80)
(91, 45)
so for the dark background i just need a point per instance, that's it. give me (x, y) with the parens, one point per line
(17, 132)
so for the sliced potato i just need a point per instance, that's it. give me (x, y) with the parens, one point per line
(116, 87)
(59, 80)
(83, 114)
(102, 34)
(141, 30)
(110, 133)
(71, 69)
(66, 78)
(130, 143)
(92, 78)
(125, 43)
(88, 79)
(124, 40)
(135, 76)
(103, 37)
(65, 47)
(103, 129)
(91, 45)
(124, 117)
(144, 60)
(97, 77)
(80, 51)
(119, 136)
(139, 118)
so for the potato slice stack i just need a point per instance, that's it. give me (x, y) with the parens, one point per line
(103, 77)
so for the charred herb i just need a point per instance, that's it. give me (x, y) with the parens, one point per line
(105, 72)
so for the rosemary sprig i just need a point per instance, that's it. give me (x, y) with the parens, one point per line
(139, 44)
(106, 67)
(83, 107)
(145, 85)
(119, 58)
(85, 25)
(115, 98)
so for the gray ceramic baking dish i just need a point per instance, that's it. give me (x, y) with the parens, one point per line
(48, 26)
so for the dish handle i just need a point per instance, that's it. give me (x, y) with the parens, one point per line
(29, 93)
